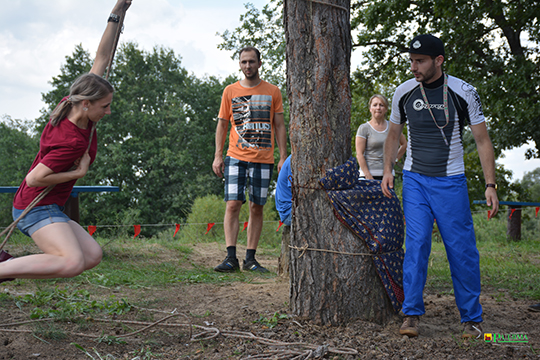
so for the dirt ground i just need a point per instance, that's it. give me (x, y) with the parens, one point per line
(234, 309)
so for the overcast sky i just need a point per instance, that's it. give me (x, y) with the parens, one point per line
(37, 35)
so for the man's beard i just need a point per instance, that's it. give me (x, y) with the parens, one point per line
(253, 75)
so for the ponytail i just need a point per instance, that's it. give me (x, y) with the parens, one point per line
(86, 87)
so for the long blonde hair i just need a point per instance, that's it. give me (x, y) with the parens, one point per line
(86, 87)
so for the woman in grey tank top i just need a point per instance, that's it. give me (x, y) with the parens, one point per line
(370, 139)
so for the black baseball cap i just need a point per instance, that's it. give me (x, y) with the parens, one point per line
(427, 44)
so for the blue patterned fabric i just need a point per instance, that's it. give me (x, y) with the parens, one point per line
(374, 218)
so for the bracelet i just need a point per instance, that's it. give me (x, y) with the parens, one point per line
(492, 186)
(113, 18)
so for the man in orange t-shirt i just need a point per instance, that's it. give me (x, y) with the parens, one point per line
(255, 110)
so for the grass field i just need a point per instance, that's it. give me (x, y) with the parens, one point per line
(511, 266)
(137, 273)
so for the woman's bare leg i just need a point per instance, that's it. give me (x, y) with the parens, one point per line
(67, 248)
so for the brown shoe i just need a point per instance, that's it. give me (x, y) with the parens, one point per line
(472, 330)
(410, 326)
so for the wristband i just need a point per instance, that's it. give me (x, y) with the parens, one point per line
(114, 18)
(492, 186)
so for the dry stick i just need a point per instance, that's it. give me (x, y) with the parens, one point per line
(13, 225)
(214, 332)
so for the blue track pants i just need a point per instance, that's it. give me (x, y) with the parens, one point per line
(445, 199)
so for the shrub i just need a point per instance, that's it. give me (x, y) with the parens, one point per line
(211, 209)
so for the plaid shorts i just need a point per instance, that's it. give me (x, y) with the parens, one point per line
(236, 175)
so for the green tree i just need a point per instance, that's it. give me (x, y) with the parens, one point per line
(492, 44)
(264, 30)
(18, 147)
(77, 64)
(531, 185)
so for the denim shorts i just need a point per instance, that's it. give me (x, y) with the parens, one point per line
(238, 172)
(39, 217)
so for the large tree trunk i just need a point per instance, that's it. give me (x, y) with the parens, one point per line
(328, 288)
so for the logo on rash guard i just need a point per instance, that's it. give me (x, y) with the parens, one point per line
(420, 105)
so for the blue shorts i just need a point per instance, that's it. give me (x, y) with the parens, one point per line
(39, 217)
(237, 174)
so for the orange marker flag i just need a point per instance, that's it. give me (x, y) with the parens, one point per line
(280, 223)
(137, 230)
(91, 229)
(245, 225)
(209, 227)
(511, 213)
(176, 230)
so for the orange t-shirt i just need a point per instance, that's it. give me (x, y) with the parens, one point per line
(251, 113)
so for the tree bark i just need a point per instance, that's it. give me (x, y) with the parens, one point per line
(328, 288)
(284, 258)
(513, 224)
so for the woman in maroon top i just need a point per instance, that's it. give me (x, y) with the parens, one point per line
(64, 156)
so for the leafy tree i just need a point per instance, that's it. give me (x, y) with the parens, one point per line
(18, 147)
(492, 44)
(531, 185)
(77, 64)
(264, 30)
(158, 143)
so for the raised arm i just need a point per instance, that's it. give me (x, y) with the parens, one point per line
(487, 159)
(106, 44)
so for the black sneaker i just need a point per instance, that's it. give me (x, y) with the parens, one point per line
(228, 265)
(253, 265)
(535, 307)
(4, 256)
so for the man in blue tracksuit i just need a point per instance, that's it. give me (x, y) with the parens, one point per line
(436, 107)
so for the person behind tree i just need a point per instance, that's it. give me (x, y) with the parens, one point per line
(255, 110)
(284, 193)
(436, 107)
(370, 139)
(64, 157)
